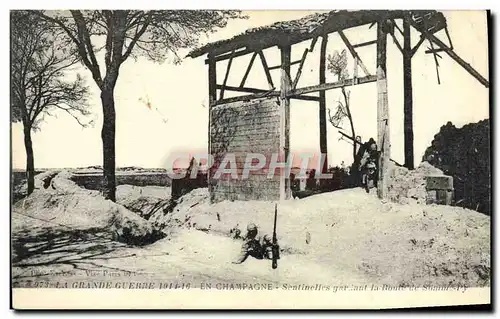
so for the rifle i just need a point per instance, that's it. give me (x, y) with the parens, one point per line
(357, 142)
(276, 249)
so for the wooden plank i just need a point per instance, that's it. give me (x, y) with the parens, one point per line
(279, 66)
(359, 45)
(266, 69)
(305, 98)
(313, 44)
(457, 58)
(221, 96)
(284, 133)
(323, 145)
(248, 97)
(269, 93)
(408, 95)
(212, 97)
(419, 43)
(353, 52)
(334, 85)
(299, 71)
(383, 133)
(228, 55)
(247, 72)
(396, 42)
(240, 89)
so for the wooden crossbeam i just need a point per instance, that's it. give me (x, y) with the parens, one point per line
(266, 69)
(455, 57)
(240, 89)
(264, 93)
(228, 55)
(299, 71)
(397, 27)
(359, 45)
(248, 70)
(353, 52)
(279, 66)
(396, 42)
(419, 43)
(221, 96)
(334, 85)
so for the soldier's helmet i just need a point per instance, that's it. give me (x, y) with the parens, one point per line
(267, 238)
(251, 227)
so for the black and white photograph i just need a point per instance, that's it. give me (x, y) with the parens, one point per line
(265, 159)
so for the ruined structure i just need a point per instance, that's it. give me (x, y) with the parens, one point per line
(259, 121)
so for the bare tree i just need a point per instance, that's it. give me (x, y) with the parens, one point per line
(153, 34)
(39, 83)
(337, 64)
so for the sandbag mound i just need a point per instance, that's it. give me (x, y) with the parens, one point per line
(144, 201)
(65, 205)
(407, 186)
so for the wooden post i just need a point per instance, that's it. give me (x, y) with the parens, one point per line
(408, 94)
(212, 98)
(285, 87)
(383, 134)
(322, 104)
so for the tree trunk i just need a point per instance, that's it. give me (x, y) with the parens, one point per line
(349, 116)
(30, 160)
(108, 143)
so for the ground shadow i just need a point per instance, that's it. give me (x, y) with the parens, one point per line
(51, 246)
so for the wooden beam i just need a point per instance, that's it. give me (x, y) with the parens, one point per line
(228, 55)
(284, 132)
(248, 70)
(408, 95)
(359, 45)
(353, 52)
(306, 98)
(266, 69)
(264, 93)
(279, 66)
(323, 145)
(383, 133)
(334, 85)
(419, 43)
(313, 44)
(457, 58)
(396, 42)
(212, 97)
(221, 96)
(247, 97)
(240, 89)
(299, 71)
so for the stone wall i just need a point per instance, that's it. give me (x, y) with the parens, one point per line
(240, 128)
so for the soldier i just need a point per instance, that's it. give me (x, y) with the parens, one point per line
(259, 247)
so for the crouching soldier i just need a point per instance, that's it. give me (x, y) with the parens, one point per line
(259, 247)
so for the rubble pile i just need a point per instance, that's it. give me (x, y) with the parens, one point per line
(464, 153)
(406, 186)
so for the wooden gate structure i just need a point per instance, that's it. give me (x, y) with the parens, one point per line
(284, 35)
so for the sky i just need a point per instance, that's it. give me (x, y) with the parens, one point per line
(178, 118)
